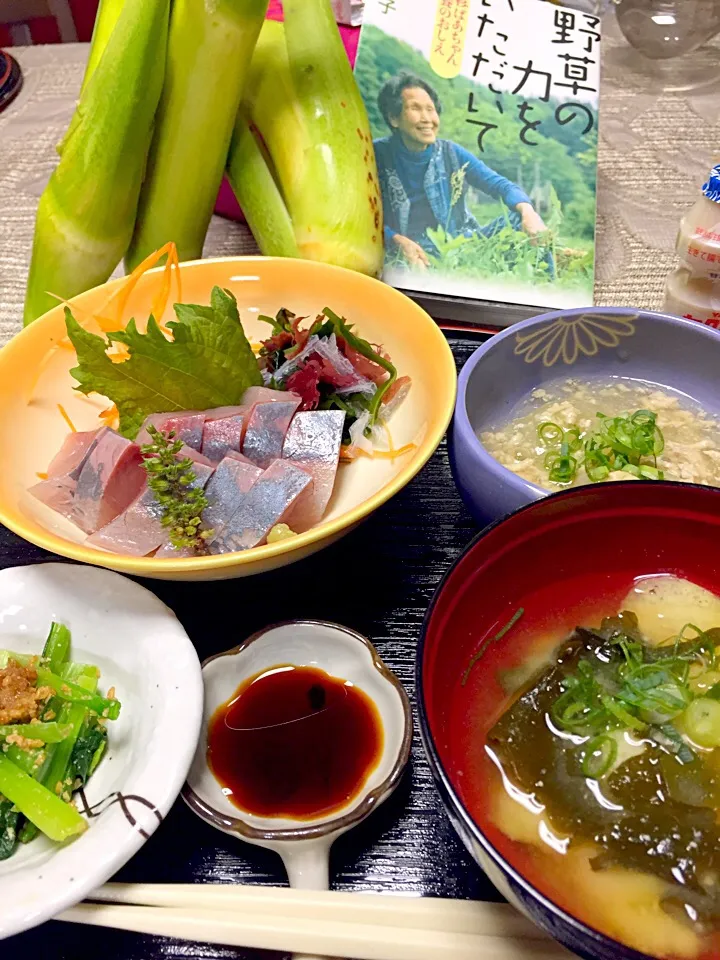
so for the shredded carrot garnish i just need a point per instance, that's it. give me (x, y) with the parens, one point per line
(118, 352)
(41, 476)
(66, 418)
(387, 454)
(160, 301)
(111, 417)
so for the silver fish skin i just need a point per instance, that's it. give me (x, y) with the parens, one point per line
(226, 489)
(268, 502)
(313, 444)
(221, 436)
(266, 429)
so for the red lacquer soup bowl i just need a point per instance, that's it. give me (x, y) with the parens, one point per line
(565, 560)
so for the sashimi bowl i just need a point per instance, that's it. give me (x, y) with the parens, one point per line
(73, 470)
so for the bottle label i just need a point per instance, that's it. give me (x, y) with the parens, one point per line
(711, 189)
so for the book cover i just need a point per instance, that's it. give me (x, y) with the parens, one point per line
(484, 116)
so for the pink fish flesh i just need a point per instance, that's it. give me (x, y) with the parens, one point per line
(70, 459)
(187, 425)
(268, 502)
(313, 444)
(255, 395)
(109, 481)
(266, 430)
(221, 436)
(139, 531)
(58, 491)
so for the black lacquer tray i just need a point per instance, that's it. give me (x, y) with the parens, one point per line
(378, 580)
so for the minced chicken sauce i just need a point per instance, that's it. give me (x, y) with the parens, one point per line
(692, 436)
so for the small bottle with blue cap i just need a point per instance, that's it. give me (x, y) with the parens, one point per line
(693, 290)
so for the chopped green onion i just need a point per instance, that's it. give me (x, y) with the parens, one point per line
(550, 432)
(483, 647)
(598, 756)
(562, 467)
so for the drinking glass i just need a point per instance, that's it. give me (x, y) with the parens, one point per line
(669, 38)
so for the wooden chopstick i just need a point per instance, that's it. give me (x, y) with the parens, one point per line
(332, 937)
(426, 913)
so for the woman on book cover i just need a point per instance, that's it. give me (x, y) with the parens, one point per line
(420, 177)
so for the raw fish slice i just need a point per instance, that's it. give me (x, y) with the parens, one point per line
(255, 395)
(221, 436)
(268, 502)
(234, 455)
(219, 413)
(57, 493)
(109, 481)
(187, 453)
(186, 424)
(70, 459)
(266, 430)
(138, 531)
(313, 444)
(226, 490)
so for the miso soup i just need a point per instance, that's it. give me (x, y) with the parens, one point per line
(595, 767)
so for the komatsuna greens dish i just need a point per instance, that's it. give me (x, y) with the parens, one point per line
(53, 735)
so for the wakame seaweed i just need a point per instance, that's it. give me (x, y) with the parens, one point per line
(660, 811)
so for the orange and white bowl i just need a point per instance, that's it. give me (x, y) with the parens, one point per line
(35, 378)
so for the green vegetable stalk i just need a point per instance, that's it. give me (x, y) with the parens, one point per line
(258, 194)
(209, 51)
(58, 820)
(56, 769)
(303, 99)
(106, 18)
(87, 212)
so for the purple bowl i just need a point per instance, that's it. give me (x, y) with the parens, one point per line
(594, 342)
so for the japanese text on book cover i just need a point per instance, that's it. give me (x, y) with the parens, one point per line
(484, 116)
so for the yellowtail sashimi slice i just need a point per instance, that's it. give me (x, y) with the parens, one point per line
(267, 503)
(313, 444)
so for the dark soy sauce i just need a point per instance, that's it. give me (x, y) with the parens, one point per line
(294, 742)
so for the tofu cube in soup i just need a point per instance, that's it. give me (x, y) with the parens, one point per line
(267, 425)
(267, 503)
(187, 425)
(110, 479)
(313, 444)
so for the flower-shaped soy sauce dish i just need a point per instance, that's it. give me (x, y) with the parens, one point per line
(305, 732)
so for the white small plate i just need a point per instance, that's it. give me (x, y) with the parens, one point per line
(304, 845)
(142, 651)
